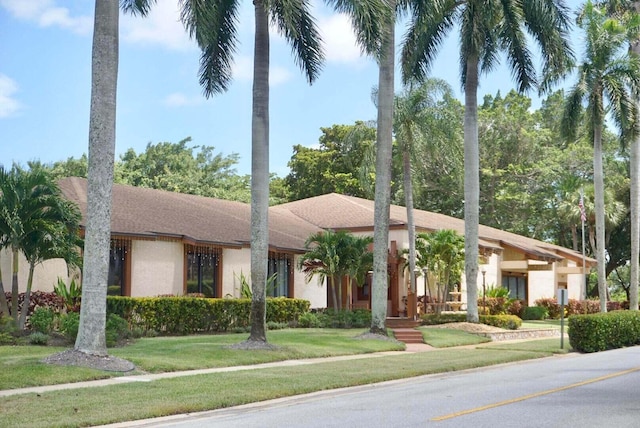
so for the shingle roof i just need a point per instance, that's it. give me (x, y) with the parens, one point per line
(152, 213)
(335, 211)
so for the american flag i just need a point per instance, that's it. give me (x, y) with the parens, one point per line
(583, 214)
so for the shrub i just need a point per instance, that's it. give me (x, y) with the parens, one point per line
(602, 331)
(433, 319)
(534, 313)
(509, 322)
(357, 318)
(69, 325)
(551, 305)
(309, 320)
(516, 307)
(38, 338)
(7, 339)
(41, 320)
(272, 325)
(494, 305)
(116, 329)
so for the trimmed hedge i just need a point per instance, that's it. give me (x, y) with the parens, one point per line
(509, 322)
(602, 331)
(186, 315)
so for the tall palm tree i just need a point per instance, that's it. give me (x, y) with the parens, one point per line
(629, 12)
(382, 202)
(487, 28)
(414, 121)
(605, 76)
(213, 24)
(102, 137)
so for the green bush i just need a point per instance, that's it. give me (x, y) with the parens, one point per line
(535, 313)
(309, 320)
(433, 319)
(7, 339)
(7, 325)
(602, 331)
(41, 320)
(38, 338)
(358, 318)
(116, 329)
(272, 325)
(187, 315)
(69, 325)
(509, 322)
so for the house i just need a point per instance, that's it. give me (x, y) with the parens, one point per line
(166, 243)
(529, 268)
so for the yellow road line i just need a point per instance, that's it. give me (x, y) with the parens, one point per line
(537, 394)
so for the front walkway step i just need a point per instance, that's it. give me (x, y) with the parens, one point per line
(405, 323)
(408, 335)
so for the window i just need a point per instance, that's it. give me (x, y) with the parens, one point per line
(279, 275)
(202, 270)
(517, 286)
(118, 256)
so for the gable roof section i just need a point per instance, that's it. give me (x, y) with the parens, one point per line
(335, 211)
(150, 213)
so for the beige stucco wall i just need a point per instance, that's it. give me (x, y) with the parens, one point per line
(45, 275)
(315, 291)
(235, 262)
(156, 268)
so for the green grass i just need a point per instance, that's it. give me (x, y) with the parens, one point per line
(20, 366)
(543, 324)
(195, 393)
(446, 338)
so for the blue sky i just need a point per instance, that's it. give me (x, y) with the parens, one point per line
(45, 66)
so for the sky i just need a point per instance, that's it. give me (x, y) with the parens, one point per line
(45, 84)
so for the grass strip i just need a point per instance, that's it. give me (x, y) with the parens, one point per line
(446, 338)
(94, 406)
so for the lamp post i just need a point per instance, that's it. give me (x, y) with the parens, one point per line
(484, 291)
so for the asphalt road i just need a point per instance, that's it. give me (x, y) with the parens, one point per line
(591, 390)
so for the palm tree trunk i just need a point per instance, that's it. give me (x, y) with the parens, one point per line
(27, 298)
(411, 225)
(634, 177)
(4, 304)
(102, 136)
(383, 179)
(260, 175)
(598, 182)
(15, 289)
(471, 188)
(332, 281)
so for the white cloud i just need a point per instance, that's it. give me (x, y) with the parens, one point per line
(243, 71)
(339, 40)
(178, 99)
(162, 27)
(46, 13)
(8, 104)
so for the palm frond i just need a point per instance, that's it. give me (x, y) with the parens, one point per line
(137, 7)
(213, 24)
(294, 21)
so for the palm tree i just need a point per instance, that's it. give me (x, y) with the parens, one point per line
(382, 203)
(486, 29)
(28, 207)
(213, 24)
(443, 255)
(359, 262)
(604, 75)
(57, 237)
(332, 255)
(628, 11)
(102, 136)
(414, 121)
